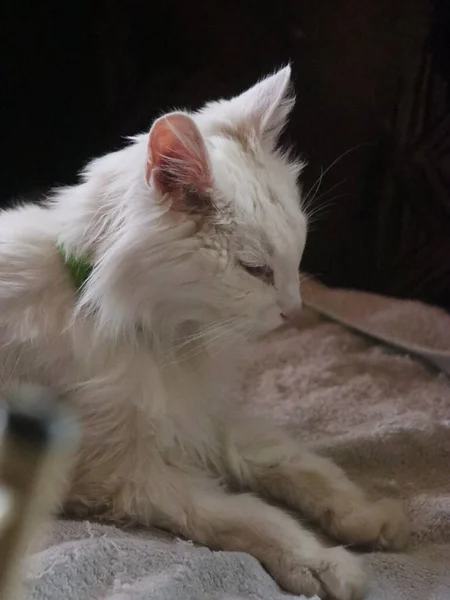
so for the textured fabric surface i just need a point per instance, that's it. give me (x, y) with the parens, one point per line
(383, 416)
(411, 326)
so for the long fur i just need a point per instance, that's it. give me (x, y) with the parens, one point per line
(144, 350)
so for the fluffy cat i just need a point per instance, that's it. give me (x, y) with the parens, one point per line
(193, 236)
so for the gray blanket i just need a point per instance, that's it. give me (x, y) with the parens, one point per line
(384, 416)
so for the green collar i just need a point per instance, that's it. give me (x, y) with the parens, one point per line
(80, 268)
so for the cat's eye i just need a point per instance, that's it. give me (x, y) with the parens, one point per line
(262, 272)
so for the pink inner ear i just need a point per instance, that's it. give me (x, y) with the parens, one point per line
(177, 156)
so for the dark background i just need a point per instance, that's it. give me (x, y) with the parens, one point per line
(372, 81)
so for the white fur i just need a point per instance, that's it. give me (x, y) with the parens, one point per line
(140, 354)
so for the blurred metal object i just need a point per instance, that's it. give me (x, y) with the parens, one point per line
(38, 439)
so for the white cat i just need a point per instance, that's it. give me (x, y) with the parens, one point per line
(121, 292)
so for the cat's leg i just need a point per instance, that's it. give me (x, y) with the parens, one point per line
(267, 461)
(205, 513)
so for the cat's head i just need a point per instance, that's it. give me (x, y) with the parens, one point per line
(227, 232)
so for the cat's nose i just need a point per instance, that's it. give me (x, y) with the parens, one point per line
(292, 315)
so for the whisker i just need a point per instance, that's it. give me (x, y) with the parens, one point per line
(200, 334)
(323, 173)
(235, 334)
(317, 198)
(192, 352)
(315, 186)
(317, 214)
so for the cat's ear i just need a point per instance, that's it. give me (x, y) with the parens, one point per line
(266, 105)
(177, 159)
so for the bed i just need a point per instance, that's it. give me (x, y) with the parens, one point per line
(365, 380)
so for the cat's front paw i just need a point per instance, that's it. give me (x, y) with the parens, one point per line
(381, 525)
(333, 573)
(341, 574)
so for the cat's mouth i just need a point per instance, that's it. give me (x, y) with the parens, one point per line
(274, 331)
(284, 326)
